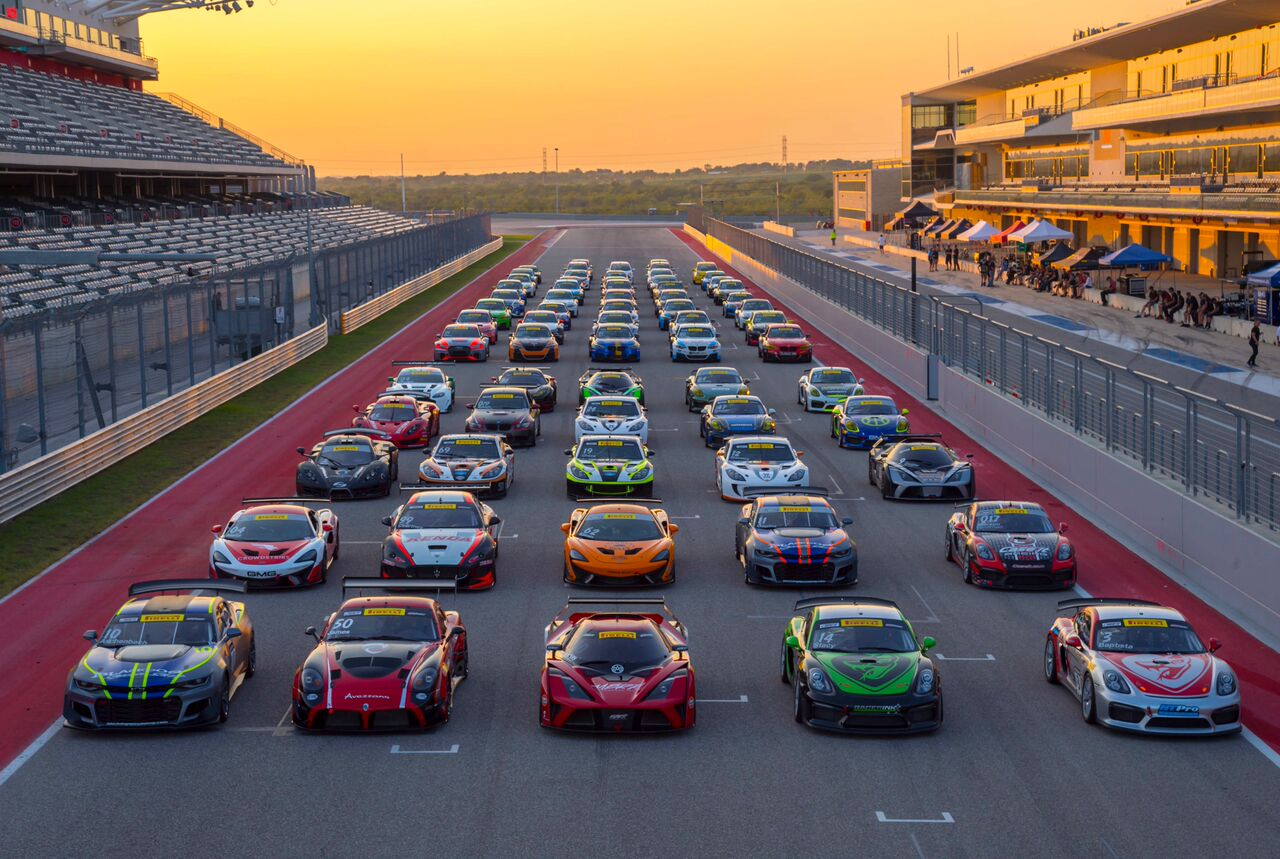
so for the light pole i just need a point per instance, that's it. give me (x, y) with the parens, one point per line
(777, 202)
(557, 180)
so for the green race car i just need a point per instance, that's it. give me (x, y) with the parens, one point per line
(609, 465)
(609, 383)
(855, 666)
(498, 311)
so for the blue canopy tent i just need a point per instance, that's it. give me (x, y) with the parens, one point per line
(1134, 256)
(1266, 294)
(1266, 277)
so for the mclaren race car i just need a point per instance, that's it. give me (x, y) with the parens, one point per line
(619, 544)
(442, 535)
(347, 464)
(277, 542)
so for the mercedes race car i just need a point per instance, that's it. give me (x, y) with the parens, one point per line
(1139, 666)
(784, 343)
(414, 376)
(480, 319)
(442, 535)
(611, 416)
(406, 419)
(861, 421)
(481, 464)
(613, 343)
(920, 467)
(728, 416)
(275, 542)
(533, 342)
(173, 656)
(462, 343)
(508, 411)
(1010, 544)
(758, 463)
(617, 671)
(855, 665)
(540, 385)
(823, 388)
(708, 383)
(596, 382)
(794, 538)
(619, 544)
(385, 662)
(348, 464)
(695, 343)
(609, 465)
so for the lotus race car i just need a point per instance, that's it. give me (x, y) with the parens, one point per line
(275, 542)
(348, 463)
(758, 462)
(445, 535)
(609, 465)
(708, 383)
(794, 538)
(481, 464)
(1010, 544)
(823, 388)
(919, 467)
(619, 544)
(861, 421)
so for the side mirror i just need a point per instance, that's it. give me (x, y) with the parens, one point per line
(968, 456)
(327, 528)
(1062, 527)
(772, 412)
(720, 453)
(650, 453)
(91, 635)
(552, 647)
(928, 644)
(391, 379)
(744, 521)
(1214, 645)
(386, 520)
(846, 521)
(355, 408)
(792, 641)
(566, 526)
(301, 450)
(673, 528)
(311, 631)
(493, 378)
(217, 529)
(231, 632)
(799, 454)
(568, 451)
(905, 412)
(1074, 641)
(471, 405)
(496, 520)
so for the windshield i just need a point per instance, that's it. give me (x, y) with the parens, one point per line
(270, 528)
(626, 408)
(167, 628)
(1147, 635)
(523, 378)
(797, 515)
(1012, 520)
(738, 406)
(460, 331)
(424, 376)
(618, 305)
(869, 407)
(505, 295)
(761, 451)
(717, 377)
(927, 456)
(677, 304)
(502, 401)
(533, 332)
(474, 317)
(560, 295)
(704, 266)
(615, 316)
(599, 645)
(543, 317)
(767, 317)
(347, 455)
(592, 449)
(424, 515)
(393, 412)
(467, 448)
(862, 635)
(611, 383)
(695, 332)
(491, 304)
(382, 623)
(614, 332)
(621, 527)
(785, 332)
(557, 307)
(833, 376)
(751, 304)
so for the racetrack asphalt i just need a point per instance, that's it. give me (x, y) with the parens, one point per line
(1014, 769)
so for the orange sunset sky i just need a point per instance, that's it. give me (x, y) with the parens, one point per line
(483, 85)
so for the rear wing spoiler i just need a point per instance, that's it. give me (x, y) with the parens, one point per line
(1086, 601)
(156, 586)
(298, 499)
(371, 433)
(423, 363)
(801, 605)
(358, 583)
(566, 615)
(763, 492)
(619, 500)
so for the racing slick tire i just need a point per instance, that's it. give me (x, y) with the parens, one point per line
(966, 561)
(951, 557)
(785, 675)
(1088, 701)
(800, 397)
(224, 702)
(252, 667)
(337, 547)
(1050, 662)
(886, 489)
(801, 708)
(871, 478)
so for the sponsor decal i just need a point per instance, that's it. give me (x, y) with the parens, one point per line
(754, 446)
(632, 686)
(467, 441)
(1178, 710)
(1175, 673)
(616, 634)
(1146, 621)
(365, 697)
(609, 443)
(873, 708)
(503, 396)
(384, 612)
(619, 515)
(862, 621)
(737, 401)
(162, 618)
(922, 447)
(612, 403)
(1010, 511)
(434, 506)
(807, 509)
(270, 517)
(396, 406)
(345, 448)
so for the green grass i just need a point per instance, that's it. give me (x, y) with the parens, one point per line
(42, 535)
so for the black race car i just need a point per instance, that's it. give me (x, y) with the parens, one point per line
(348, 464)
(920, 467)
(507, 411)
(540, 385)
(597, 382)
(1010, 544)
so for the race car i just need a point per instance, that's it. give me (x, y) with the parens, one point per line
(562, 309)
(548, 318)
(620, 267)
(596, 382)
(695, 343)
(608, 465)
(513, 298)
(581, 271)
(508, 411)
(1139, 666)
(611, 415)
(444, 535)
(688, 317)
(861, 421)
(700, 269)
(760, 320)
(481, 464)
(855, 666)
(784, 343)
(568, 297)
(573, 287)
(920, 467)
(670, 293)
(527, 269)
(540, 385)
(1010, 544)
(668, 309)
(708, 383)
(617, 317)
(275, 542)
(748, 463)
(718, 285)
(348, 464)
(727, 416)
(730, 301)
(617, 671)
(613, 342)
(661, 282)
(823, 388)
(619, 544)
(621, 305)
(173, 656)
(482, 320)
(407, 420)
(533, 342)
(747, 307)
(389, 661)
(498, 312)
(462, 343)
(419, 378)
(794, 538)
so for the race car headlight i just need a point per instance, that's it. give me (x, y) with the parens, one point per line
(395, 557)
(768, 425)
(194, 683)
(715, 424)
(579, 472)
(1064, 551)
(491, 469)
(1115, 682)
(842, 550)
(663, 689)
(819, 682)
(924, 683)
(220, 558)
(311, 680)
(430, 469)
(695, 392)
(94, 686)
(960, 475)
(984, 551)
(425, 680)
(903, 427)
(764, 550)
(852, 426)
(372, 475)
(570, 687)
(734, 474)
(642, 471)
(797, 475)
(584, 425)
(1226, 683)
(899, 474)
(308, 557)
(635, 426)
(575, 555)
(661, 556)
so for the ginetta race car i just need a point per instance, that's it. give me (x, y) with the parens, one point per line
(611, 416)
(347, 464)
(275, 542)
(823, 388)
(920, 467)
(1010, 544)
(794, 538)
(421, 378)
(861, 421)
(617, 671)
(708, 383)
(619, 544)
(609, 465)
(758, 462)
(596, 382)
(462, 343)
(442, 535)
(385, 662)
(409, 421)
(481, 464)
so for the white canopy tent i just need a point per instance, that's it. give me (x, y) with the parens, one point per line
(979, 232)
(1039, 231)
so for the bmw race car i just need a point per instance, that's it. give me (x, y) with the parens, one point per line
(1010, 544)
(532, 270)
(760, 320)
(611, 415)
(748, 307)
(481, 464)
(562, 309)
(727, 416)
(173, 656)
(731, 301)
(407, 420)
(794, 538)
(823, 388)
(855, 666)
(596, 382)
(609, 465)
(417, 377)
(533, 342)
(695, 343)
(548, 318)
(498, 311)
(513, 297)
(462, 343)
(507, 410)
(708, 383)
(540, 385)
(348, 463)
(445, 535)
(757, 463)
(613, 342)
(619, 544)
(688, 317)
(861, 421)
(385, 662)
(920, 467)
(1139, 666)
(480, 319)
(784, 343)
(275, 542)
(617, 671)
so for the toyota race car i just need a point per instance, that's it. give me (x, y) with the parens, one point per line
(861, 421)
(727, 416)
(596, 382)
(407, 420)
(348, 464)
(794, 538)
(508, 411)
(758, 462)
(823, 388)
(609, 465)
(275, 542)
(443, 535)
(462, 343)
(619, 544)
(481, 464)
(611, 416)
(919, 467)
(1010, 544)
(533, 342)
(708, 383)
(431, 381)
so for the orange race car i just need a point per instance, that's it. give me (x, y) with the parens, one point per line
(613, 544)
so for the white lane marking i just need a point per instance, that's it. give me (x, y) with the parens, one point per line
(916, 843)
(362, 542)
(452, 750)
(839, 490)
(1250, 737)
(284, 727)
(741, 699)
(883, 818)
(258, 730)
(509, 537)
(1111, 850)
(987, 658)
(666, 429)
(694, 516)
(30, 751)
(755, 376)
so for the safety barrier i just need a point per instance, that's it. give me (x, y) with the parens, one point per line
(781, 229)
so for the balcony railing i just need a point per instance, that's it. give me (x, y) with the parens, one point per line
(1256, 93)
(1136, 199)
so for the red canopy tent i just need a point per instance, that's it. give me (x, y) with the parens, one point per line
(1000, 237)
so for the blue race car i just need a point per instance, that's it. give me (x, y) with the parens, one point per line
(670, 308)
(860, 421)
(614, 343)
(726, 416)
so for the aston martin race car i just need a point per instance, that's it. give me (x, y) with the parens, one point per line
(747, 307)
(861, 421)
(611, 415)
(407, 420)
(415, 376)
(700, 269)
(728, 416)
(481, 464)
(1010, 544)
(609, 465)
(619, 544)
(695, 343)
(533, 342)
(275, 542)
(855, 665)
(445, 535)
(760, 320)
(540, 385)
(749, 462)
(1139, 666)
(173, 656)
(480, 319)
(617, 671)
(508, 411)
(613, 343)
(784, 343)
(348, 464)
(708, 383)
(462, 343)
(794, 538)
(548, 318)
(920, 467)
(823, 388)
(389, 661)
(596, 382)
(498, 312)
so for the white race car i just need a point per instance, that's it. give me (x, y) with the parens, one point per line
(276, 542)
(823, 388)
(611, 416)
(424, 379)
(758, 462)
(481, 464)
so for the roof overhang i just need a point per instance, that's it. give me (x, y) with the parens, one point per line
(139, 165)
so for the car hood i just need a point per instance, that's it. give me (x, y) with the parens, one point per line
(622, 690)
(804, 545)
(1021, 548)
(874, 421)
(263, 553)
(143, 666)
(716, 389)
(462, 468)
(766, 470)
(1166, 675)
(333, 473)
(619, 552)
(610, 466)
(610, 423)
(742, 422)
(871, 673)
(372, 675)
(847, 390)
(444, 546)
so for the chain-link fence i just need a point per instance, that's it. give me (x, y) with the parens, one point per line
(1212, 448)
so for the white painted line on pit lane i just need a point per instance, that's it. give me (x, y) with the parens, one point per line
(284, 727)
(839, 490)
(362, 542)
(741, 699)
(881, 817)
(694, 516)
(509, 537)
(987, 658)
(30, 751)
(452, 750)
(1249, 736)
(933, 617)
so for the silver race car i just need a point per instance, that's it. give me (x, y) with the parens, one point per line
(446, 535)
(422, 378)
(919, 467)
(758, 462)
(479, 463)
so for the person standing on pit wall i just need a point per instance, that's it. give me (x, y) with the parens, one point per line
(882, 243)
(833, 237)
(1255, 337)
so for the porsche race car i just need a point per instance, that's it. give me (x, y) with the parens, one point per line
(445, 535)
(619, 544)
(708, 383)
(747, 463)
(1010, 544)
(794, 537)
(348, 464)
(276, 541)
(823, 388)
(860, 421)
(736, 415)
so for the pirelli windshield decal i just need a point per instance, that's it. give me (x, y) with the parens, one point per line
(384, 612)
(761, 446)
(436, 506)
(609, 443)
(1147, 622)
(616, 634)
(344, 448)
(466, 441)
(1011, 511)
(857, 622)
(807, 509)
(270, 517)
(619, 515)
(162, 618)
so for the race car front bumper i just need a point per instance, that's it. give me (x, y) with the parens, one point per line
(861, 440)
(642, 488)
(470, 577)
(157, 710)
(788, 355)
(564, 714)
(640, 575)
(694, 353)
(614, 353)
(823, 402)
(287, 575)
(480, 488)
(735, 490)
(368, 716)
(1213, 714)
(457, 355)
(511, 434)
(898, 714)
(1051, 576)
(917, 491)
(515, 353)
(842, 570)
(715, 438)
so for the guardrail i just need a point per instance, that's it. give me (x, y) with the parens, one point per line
(41, 479)
(350, 320)
(781, 229)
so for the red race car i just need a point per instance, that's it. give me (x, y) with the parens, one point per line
(614, 671)
(482, 320)
(387, 662)
(410, 422)
(276, 541)
(786, 342)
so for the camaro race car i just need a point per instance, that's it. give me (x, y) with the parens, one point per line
(708, 383)
(728, 416)
(462, 343)
(794, 538)
(618, 671)
(619, 544)
(695, 343)
(611, 416)
(275, 542)
(508, 411)
(823, 388)
(1010, 544)
(919, 467)
(758, 462)
(173, 656)
(481, 464)
(407, 420)
(443, 535)
(537, 383)
(348, 463)
(419, 378)
(596, 382)
(861, 421)
(609, 465)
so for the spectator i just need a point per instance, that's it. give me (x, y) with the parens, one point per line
(1189, 313)
(933, 258)
(1166, 305)
(833, 239)
(1108, 290)
(1209, 310)
(1149, 309)
(881, 243)
(1255, 337)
